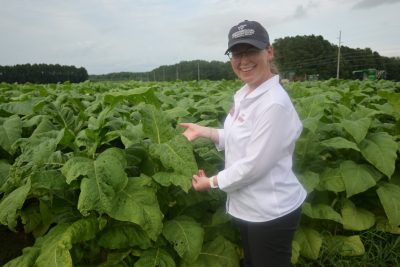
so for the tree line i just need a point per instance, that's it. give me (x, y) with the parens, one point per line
(296, 58)
(184, 70)
(42, 73)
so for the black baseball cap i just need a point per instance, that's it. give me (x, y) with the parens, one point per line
(248, 32)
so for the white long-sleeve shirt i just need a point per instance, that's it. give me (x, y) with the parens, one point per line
(259, 138)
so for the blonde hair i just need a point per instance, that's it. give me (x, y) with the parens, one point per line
(273, 67)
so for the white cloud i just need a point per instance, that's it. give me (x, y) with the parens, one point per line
(139, 35)
(373, 3)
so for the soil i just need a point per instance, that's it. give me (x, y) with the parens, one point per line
(12, 243)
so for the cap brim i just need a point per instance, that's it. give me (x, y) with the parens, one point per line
(255, 43)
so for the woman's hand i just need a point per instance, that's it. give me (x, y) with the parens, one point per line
(193, 131)
(200, 181)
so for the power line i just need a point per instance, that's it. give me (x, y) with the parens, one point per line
(329, 59)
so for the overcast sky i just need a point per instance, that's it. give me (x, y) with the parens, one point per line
(139, 35)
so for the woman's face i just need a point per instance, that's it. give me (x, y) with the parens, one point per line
(251, 64)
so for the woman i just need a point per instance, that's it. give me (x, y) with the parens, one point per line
(263, 194)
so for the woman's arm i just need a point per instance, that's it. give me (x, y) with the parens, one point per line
(194, 131)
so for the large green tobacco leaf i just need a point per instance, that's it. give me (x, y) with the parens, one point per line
(358, 129)
(137, 95)
(62, 115)
(40, 153)
(54, 247)
(217, 253)
(176, 155)
(10, 131)
(37, 217)
(177, 112)
(186, 236)
(364, 112)
(295, 252)
(340, 143)
(11, 203)
(123, 235)
(48, 181)
(76, 167)
(346, 245)
(103, 179)
(27, 259)
(170, 178)
(115, 259)
(220, 217)
(106, 179)
(155, 258)
(389, 195)
(356, 218)
(43, 125)
(156, 125)
(136, 154)
(321, 211)
(331, 180)
(98, 122)
(131, 135)
(38, 149)
(307, 153)
(56, 244)
(310, 242)
(394, 100)
(311, 110)
(89, 139)
(309, 180)
(357, 178)
(342, 111)
(383, 224)
(137, 203)
(4, 171)
(380, 150)
(31, 218)
(20, 107)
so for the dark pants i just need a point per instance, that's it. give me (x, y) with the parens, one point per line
(269, 244)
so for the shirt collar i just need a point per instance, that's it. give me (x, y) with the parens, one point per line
(260, 90)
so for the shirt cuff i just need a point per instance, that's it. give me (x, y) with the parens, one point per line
(221, 140)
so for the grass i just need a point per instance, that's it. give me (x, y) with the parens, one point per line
(381, 250)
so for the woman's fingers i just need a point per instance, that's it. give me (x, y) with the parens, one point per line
(200, 181)
(194, 182)
(188, 133)
(185, 124)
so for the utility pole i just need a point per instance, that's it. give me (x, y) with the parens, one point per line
(198, 71)
(338, 57)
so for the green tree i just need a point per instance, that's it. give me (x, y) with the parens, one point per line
(300, 56)
(304, 55)
(42, 73)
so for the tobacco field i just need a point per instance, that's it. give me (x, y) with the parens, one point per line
(99, 174)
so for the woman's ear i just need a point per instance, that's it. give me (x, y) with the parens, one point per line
(270, 53)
